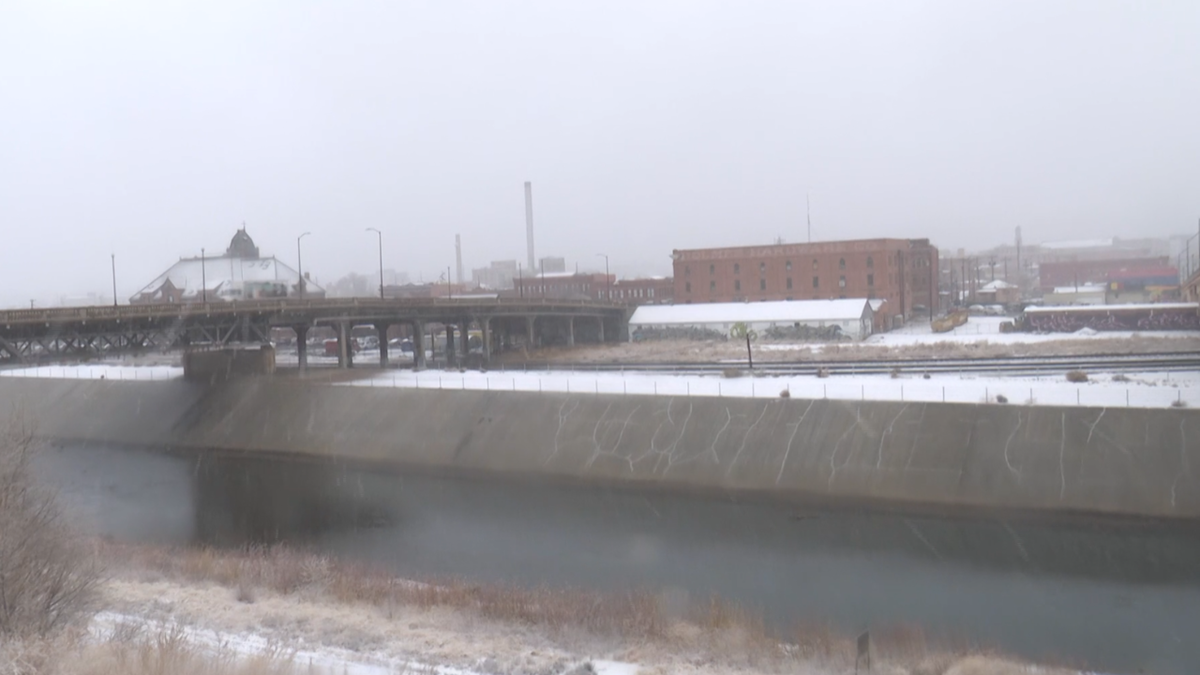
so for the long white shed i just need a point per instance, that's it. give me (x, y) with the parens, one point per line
(853, 317)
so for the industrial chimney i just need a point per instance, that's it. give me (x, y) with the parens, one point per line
(458, 258)
(529, 225)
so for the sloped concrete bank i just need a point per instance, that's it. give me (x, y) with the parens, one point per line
(1118, 461)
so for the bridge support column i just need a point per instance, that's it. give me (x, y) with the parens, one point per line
(601, 321)
(418, 340)
(345, 351)
(570, 331)
(383, 344)
(529, 332)
(486, 325)
(301, 346)
(451, 361)
(464, 339)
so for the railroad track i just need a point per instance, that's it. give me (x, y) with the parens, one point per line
(1013, 366)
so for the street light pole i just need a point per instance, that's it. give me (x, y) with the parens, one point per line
(371, 229)
(449, 288)
(203, 278)
(114, 275)
(607, 279)
(300, 265)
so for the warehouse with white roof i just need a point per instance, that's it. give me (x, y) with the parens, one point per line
(853, 317)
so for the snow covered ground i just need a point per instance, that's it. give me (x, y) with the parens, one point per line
(1141, 390)
(987, 329)
(97, 372)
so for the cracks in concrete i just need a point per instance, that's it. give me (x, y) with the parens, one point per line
(670, 452)
(884, 435)
(792, 438)
(713, 448)
(916, 437)
(833, 456)
(1092, 428)
(1008, 443)
(1062, 451)
(1184, 468)
(745, 438)
(562, 420)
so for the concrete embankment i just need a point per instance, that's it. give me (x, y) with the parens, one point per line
(1115, 461)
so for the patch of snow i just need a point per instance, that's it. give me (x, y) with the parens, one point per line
(97, 372)
(1143, 390)
(318, 660)
(1138, 307)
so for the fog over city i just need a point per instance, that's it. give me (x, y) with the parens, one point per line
(151, 130)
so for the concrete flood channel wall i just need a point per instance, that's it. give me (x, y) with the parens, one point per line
(1130, 462)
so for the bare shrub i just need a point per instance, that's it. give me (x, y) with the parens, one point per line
(822, 373)
(786, 393)
(1001, 398)
(1119, 377)
(47, 577)
(1179, 403)
(732, 373)
(1077, 376)
(896, 373)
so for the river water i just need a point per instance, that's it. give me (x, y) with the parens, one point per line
(1118, 596)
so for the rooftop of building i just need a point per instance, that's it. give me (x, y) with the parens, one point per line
(816, 247)
(751, 312)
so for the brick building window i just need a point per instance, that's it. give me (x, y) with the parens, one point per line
(762, 268)
(712, 269)
(687, 271)
(737, 268)
(814, 264)
(842, 283)
(870, 262)
(712, 287)
(789, 283)
(788, 266)
(816, 282)
(870, 279)
(737, 284)
(762, 284)
(842, 264)
(687, 288)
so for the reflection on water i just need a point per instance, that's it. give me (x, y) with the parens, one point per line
(1117, 595)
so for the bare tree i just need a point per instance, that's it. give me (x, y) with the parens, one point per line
(47, 577)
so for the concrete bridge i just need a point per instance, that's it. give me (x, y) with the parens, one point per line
(37, 334)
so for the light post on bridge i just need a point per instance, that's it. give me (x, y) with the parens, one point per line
(203, 278)
(371, 229)
(607, 279)
(300, 265)
(114, 278)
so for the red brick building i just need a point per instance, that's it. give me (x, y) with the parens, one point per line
(563, 285)
(900, 271)
(1071, 272)
(647, 291)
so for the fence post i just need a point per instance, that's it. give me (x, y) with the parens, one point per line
(597, 381)
(753, 389)
(439, 381)
(624, 387)
(719, 393)
(987, 394)
(1127, 397)
(864, 391)
(689, 388)
(901, 393)
(514, 383)
(824, 391)
(656, 387)
(1076, 395)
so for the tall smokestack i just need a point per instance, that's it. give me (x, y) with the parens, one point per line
(458, 258)
(529, 224)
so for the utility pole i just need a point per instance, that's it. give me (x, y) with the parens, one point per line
(808, 215)
(203, 278)
(114, 278)
(449, 288)
(520, 282)
(371, 229)
(300, 264)
(607, 279)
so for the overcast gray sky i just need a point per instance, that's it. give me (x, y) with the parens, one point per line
(152, 129)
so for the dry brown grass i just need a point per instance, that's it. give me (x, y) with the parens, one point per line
(166, 652)
(288, 571)
(48, 578)
(716, 631)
